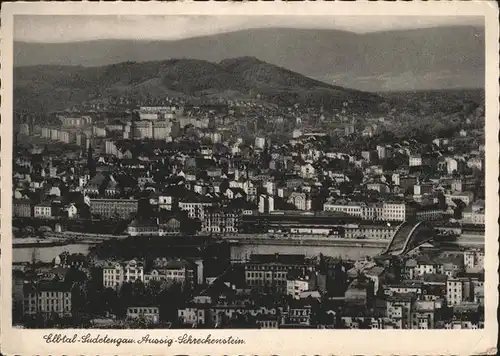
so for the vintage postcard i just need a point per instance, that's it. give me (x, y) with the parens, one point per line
(249, 178)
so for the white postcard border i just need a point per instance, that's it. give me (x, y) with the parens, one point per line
(287, 342)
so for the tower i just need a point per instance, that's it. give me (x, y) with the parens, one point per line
(266, 157)
(90, 162)
(34, 256)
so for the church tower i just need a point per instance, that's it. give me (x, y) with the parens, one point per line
(90, 162)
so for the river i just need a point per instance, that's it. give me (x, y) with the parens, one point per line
(46, 254)
(243, 251)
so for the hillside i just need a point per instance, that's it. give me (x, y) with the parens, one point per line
(49, 88)
(418, 59)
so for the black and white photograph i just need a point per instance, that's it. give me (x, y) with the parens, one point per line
(206, 171)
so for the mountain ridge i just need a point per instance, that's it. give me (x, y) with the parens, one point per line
(449, 57)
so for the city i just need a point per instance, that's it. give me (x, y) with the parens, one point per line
(279, 208)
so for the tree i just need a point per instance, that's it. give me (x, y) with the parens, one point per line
(154, 288)
(138, 292)
(75, 275)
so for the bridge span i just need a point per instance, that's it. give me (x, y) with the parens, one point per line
(408, 236)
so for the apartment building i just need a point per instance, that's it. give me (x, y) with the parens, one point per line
(454, 291)
(47, 298)
(109, 208)
(271, 271)
(150, 314)
(42, 210)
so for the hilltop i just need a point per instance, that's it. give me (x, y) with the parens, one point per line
(416, 59)
(49, 88)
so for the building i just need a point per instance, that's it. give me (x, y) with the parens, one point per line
(375, 231)
(426, 265)
(398, 310)
(21, 208)
(297, 222)
(404, 181)
(24, 129)
(112, 208)
(165, 201)
(220, 222)
(112, 149)
(473, 259)
(116, 273)
(297, 314)
(381, 151)
(133, 270)
(366, 155)
(454, 291)
(176, 271)
(150, 315)
(161, 130)
(115, 126)
(169, 226)
(71, 210)
(98, 131)
(349, 129)
(81, 139)
(271, 271)
(350, 208)
(267, 321)
(143, 129)
(307, 171)
(96, 185)
(47, 298)
(423, 188)
(469, 259)
(415, 161)
(195, 206)
(296, 133)
(463, 184)
(360, 292)
(474, 214)
(42, 210)
(260, 142)
(295, 286)
(377, 275)
(112, 275)
(451, 165)
(423, 315)
(143, 228)
(387, 211)
(75, 121)
(194, 314)
(266, 204)
(396, 212)
(158, 112)
(379, 187)
(406, 287)
(429, 212)
(465, 197)
(300, 200)
(475, 163)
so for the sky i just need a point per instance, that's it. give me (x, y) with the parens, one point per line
(72, 28)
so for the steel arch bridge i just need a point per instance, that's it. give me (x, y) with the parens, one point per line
(407, 237)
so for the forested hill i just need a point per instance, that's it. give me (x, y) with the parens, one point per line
(48, 88)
